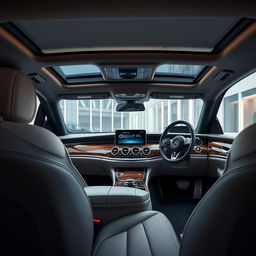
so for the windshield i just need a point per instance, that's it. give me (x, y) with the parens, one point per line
(99, 115)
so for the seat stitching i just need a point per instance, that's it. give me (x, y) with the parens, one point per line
(147, 238)
(101, 242)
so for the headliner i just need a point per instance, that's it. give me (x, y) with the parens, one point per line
(56, 9)
(236, 56)
(169, 34)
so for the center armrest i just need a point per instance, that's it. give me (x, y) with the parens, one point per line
(110, 202)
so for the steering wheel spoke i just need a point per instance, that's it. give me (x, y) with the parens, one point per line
(187, 141)
(166, 143)
(175, 155)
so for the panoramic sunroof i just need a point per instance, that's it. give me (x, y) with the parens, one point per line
(78, 70)
(169, 73)
(179, 70)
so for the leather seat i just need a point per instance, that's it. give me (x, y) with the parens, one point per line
(224, 223)
(44, 208)
(143, 233)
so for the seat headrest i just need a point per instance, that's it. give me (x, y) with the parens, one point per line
(243, 150)
(17, 96)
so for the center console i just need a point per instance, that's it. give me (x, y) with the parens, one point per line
(129, 193)
(131, 177)
(130, 144)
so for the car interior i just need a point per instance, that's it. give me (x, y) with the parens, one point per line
(127, 128)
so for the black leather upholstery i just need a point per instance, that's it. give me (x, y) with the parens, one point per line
(36, 174)
(44, 208)
(224, 221)
(141, 234)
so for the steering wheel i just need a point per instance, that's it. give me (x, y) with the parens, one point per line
(178, 148)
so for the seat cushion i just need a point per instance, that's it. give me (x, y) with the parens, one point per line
(143, 233)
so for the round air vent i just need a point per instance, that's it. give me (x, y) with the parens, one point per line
(146, 151)
(135, 151)
(115, 151)
(125, 151)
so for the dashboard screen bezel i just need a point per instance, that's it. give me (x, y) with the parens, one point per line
(117, 133)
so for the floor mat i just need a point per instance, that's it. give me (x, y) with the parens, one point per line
(175, 203)
(177, 213)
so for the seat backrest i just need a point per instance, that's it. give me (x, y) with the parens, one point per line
(44, 209)
(224, 221)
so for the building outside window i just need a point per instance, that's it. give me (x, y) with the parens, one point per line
(238, 108)
(237, 111)
(231, 113)
(83, 116)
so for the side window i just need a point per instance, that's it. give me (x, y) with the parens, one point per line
(238, 107)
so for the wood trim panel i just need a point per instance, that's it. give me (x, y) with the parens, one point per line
(136, 175)
(96, 150)
(218, 149)
(90, 150)
(104, 150)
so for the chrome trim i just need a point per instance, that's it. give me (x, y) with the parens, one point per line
(121, 150)
(109, 159)
(148, 151)
(134, 153)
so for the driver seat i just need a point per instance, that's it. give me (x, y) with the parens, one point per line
(44, 208)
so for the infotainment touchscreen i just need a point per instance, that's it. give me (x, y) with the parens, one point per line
(130, 137)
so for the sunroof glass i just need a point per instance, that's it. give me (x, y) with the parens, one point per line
(179, 70)
(169, 73)
(79, 70)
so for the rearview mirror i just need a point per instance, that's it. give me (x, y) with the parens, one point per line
(130, 107)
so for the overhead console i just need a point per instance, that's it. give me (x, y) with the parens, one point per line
(128, 73)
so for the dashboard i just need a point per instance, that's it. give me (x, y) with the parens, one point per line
(103, 154)
(136, 144)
